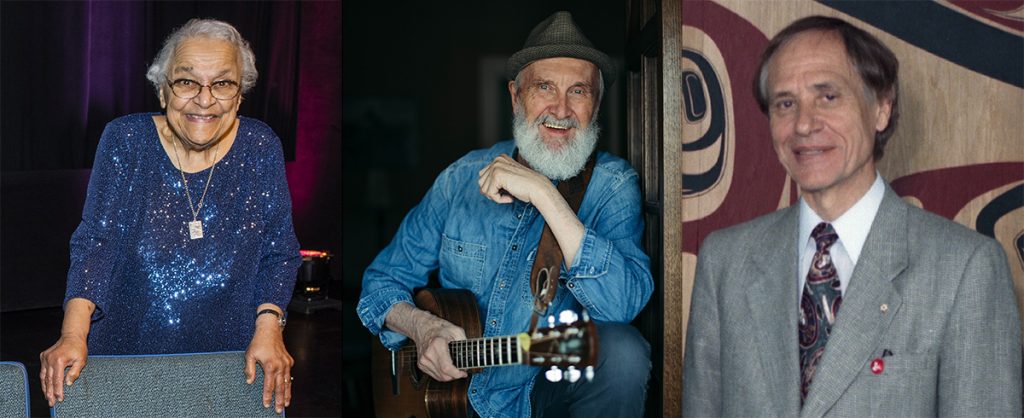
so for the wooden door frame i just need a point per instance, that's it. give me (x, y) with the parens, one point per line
(653, 60)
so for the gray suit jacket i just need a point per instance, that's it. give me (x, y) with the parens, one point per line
(936, 295)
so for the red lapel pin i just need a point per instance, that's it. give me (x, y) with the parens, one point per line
(877, 366)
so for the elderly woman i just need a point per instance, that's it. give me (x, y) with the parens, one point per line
(186, 241)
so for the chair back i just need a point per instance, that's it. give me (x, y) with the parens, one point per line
(165, 385)
(13, 390)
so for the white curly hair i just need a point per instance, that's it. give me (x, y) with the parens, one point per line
(203, 28)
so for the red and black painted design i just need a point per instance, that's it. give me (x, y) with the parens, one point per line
(979, 43)
(1005, 13)
(755, 170)
(947, 191)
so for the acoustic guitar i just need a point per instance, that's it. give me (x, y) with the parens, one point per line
(400, 389)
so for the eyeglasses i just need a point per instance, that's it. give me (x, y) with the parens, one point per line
(189, 89)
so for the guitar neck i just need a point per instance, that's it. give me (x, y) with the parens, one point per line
(487, 352)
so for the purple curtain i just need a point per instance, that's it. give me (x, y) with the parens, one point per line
(68, 68)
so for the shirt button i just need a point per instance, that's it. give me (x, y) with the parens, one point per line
(515, 247)
(572, 285)
(474, 391)
(459, 248)
(519, 216)
(501, 285)
(494, 322)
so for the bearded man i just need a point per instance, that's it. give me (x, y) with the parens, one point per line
(480, 226)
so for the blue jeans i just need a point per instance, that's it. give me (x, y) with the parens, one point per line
(619, 388)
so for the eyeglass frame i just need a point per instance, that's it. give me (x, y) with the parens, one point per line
(170, 83)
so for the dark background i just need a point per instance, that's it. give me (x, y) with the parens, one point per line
(433, 75)
(410, 85)
(421, 64)
(68, 68)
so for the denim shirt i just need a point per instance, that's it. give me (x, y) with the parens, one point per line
(489, 248)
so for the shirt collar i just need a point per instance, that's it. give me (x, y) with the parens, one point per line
(853, 225)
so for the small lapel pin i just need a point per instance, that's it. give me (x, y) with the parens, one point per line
(884, 307)
(877, 366)
(886, 353)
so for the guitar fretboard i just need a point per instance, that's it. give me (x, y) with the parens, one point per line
(486, 352)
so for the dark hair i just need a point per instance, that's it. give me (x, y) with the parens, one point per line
(874, 62)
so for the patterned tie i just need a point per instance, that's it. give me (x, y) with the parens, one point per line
(818, 305)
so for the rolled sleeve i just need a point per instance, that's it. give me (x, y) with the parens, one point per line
(611, 275)
(404, 264)
(373, 310)
(593, 257)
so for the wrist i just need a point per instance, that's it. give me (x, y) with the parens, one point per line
(270, 316)
(549, 201)
(73, 335)
(418, 327)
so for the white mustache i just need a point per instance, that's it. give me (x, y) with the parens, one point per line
(554, 122)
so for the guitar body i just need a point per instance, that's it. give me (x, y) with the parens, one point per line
(565, 352)
(408, 392)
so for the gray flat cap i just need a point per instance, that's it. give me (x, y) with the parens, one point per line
(558, 36)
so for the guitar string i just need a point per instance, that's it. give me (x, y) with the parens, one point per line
(481, 352)
(480, 349)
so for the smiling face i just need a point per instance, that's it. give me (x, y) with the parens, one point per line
(202, 121)
(823, 119)
(558, 95)
(553, 111)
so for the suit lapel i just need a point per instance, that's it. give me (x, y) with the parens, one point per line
(773, 312)
(862, 320)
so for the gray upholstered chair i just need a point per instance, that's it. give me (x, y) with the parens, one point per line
(173, 385)
(13, 390)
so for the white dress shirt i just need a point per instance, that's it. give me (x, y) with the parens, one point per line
(852, 227)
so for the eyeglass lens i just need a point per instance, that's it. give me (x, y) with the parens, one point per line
(187, 89)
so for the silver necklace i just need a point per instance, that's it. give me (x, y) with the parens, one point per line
(195, 228)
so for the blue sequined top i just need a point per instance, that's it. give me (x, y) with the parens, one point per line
(155, 289)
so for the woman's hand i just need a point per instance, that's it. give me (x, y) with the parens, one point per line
(70, 350)
(267, 348)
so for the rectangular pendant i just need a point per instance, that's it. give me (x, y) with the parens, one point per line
(195, 229)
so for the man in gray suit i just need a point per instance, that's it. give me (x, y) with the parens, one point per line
(853, 302)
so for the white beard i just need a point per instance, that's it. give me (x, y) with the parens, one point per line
(562, 164)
